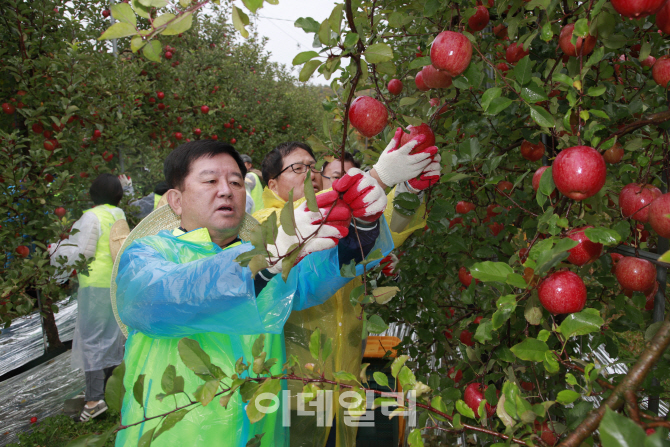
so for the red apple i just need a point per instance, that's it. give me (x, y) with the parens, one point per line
(448, 333)
(637, 8)
(661, 71)
(233, 141)
(37, 128)
(33, 419)
(455, 374)
(22, 251)
(564, 41)
(60, 211)
(479, 19)
(420, 83)
(168, 55)
(502, 66)
(658, 212)
(160, 95)
(527, 386)
(48, 178)
(465, 277)
(635, 274)
(204, 109)
(395, 86)
(96, 134)
(537, 177)
(649, 62)
(614, 154)
(466, 338)
(8, 108)
(490, 210)
(586, 252)
(178, 135)
(474, 395)
(50, 145)
(414, 131)
(500, 31)
(451, 52)
(197, 132)
(579, 172)
(562, 293)
(532, 152)
(546, 434)
(495, 227)
(477, 320)
(368, 116)
(616, 257)
(504, 187)
(515, 53)
(434, 78)
(463, 207)
(663, 19)
(635, 200)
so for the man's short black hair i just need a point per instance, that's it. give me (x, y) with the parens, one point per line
(178, 163)
(106, 189)
(347, 157)
(161, 188)
(274, 160)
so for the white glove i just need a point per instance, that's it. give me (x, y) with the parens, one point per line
(429, 176)
(362, 193)
(125, 180)
(335, 227)
(396, 165)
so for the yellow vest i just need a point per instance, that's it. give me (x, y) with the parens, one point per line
(337, 319)
(100, 270)
(157, 198)
(257, 193)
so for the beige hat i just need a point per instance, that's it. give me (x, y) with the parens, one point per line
(162, 218)
(117, 236)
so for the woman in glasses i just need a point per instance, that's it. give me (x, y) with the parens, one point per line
(333, 170)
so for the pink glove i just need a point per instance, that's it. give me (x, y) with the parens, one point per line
(430, 175)
(389, 265)
(362, 193)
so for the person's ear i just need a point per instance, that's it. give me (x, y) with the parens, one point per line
(174, 199)
(273, 185)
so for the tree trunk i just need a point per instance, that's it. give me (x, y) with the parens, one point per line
(50, 328)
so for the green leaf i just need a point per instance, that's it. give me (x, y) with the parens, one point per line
(308, 24)
(271, 386)
(497, 105)
(258, 346)
(488, 271)
(489, 95)
(483, 333)
(566, 397)
(406, 378)
(206, 392)
(376, 325)
(384, 294)
(506, 305)
(550, 362)
(327, 348)
(533, 93)
(349, 270)
(541, 116)
(310, 195)
(253, 5)
(419, 62)
(581, 323)
(240, 20)
(378, 52)
(152, 51)
(414, 439)
(381, 379)
(398, 364)
(343, 376)
(138, 390)
(315, 344)
(181, 24)
(516, 280)
(523, 70)
(248, 389)
(530, 349)
(163, 19)
(350, 40)
(305, 56)
(170, 421)
(114, 390)
(547, 185)
(198, 360)
(464, 410)
(618, 431)
(562, 78)
(335, 18)
(603, 236)
(136, 43)
(286, 216)
(124, 13)
(167, 381)
(118, 30)
(596, 91)
(308, 69)
(154, 3)
(140, 9)
(257, 263)
(324, 32)
(147, 437)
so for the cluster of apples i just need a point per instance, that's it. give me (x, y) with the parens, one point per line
(450, 55)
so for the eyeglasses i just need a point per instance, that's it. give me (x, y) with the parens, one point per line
(300, 168)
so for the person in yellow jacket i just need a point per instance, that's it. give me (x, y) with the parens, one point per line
(97, 345)
(284, 169)
(253, 183)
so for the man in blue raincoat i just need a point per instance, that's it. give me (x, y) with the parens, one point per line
(186, 283)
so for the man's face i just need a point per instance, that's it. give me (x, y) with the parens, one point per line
(213, 197)
(333, 170)
(288, 179)
(247, 165)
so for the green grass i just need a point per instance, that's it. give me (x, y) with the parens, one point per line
(58, 431)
